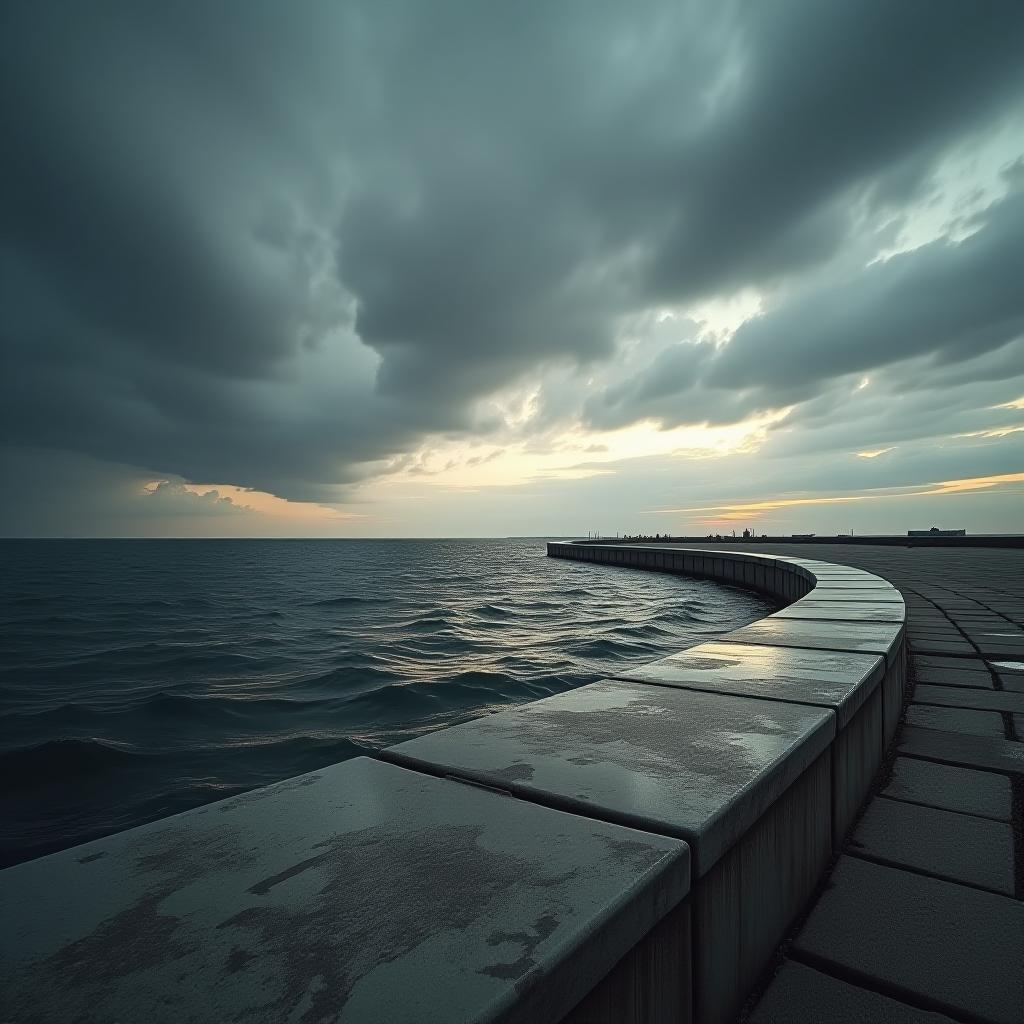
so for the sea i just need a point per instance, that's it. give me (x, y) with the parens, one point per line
(140, 678)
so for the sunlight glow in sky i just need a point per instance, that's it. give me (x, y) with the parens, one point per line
(450, 270)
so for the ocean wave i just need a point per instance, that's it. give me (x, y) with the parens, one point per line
(343, 600)
(63, 758)
(139, 679)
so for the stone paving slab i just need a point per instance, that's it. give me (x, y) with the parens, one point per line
(996, 647)
(802, 995)
(956, 720)
(360, 893)
(945, 844)
(950, 677)
(930, 661)
(981, 752)
(1009, 666)
(699, 766)
(954, 789)
(928, 646)
(1014, 682)
(946, 946)
(841, 680)
(966, 697)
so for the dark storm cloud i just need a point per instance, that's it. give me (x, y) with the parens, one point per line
(955, 300)
(951, 302)
(274, 244)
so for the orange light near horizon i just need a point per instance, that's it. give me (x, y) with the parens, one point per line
(754, 508)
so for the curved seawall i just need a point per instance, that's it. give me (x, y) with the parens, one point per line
(631, 850)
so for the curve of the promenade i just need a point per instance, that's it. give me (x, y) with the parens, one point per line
(629, 851)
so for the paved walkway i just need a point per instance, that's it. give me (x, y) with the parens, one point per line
(922, 918)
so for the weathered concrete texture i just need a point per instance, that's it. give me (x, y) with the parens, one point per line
(879, 638)
(868, 585)
(749, 899)
(864, 638)
(838, 680)
(946, 844)
(847, 683)
(855, 758)
(954, 789)
(959, 949)
(652, 984)
(893, 689)
(746, 781)
(699, 766)
(362, 892)
(976, 723)
(828, 593)
(802, 995)
(937, 944)
(843, 611)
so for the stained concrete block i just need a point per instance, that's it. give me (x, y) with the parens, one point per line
(955, 789)
(747, 780)
(745, 905)
(977, 723)
(847, 683)
(699, 766)
(956, 847)
(858, 637)
(856, 755)
(848, 583)
(833, 679)
(652, 984)
(956, 949)
(802, 995)
(894, 687)
(842, 611)
(871, 595)
(880, 638)
(362, 893)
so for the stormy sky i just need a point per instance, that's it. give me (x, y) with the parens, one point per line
(444, 268)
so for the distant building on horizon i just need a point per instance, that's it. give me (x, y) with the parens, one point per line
(936, 532)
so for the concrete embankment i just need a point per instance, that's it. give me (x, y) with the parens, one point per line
(632, 850)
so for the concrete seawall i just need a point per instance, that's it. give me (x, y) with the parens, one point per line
(632, 850)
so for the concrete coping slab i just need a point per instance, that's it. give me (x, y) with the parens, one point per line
(360, 893)
(843, 611)
(861, 637)
(854, 583)
(839, 680)
(702, 767)
(876, 595)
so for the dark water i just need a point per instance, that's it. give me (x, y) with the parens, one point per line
(141, 678)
